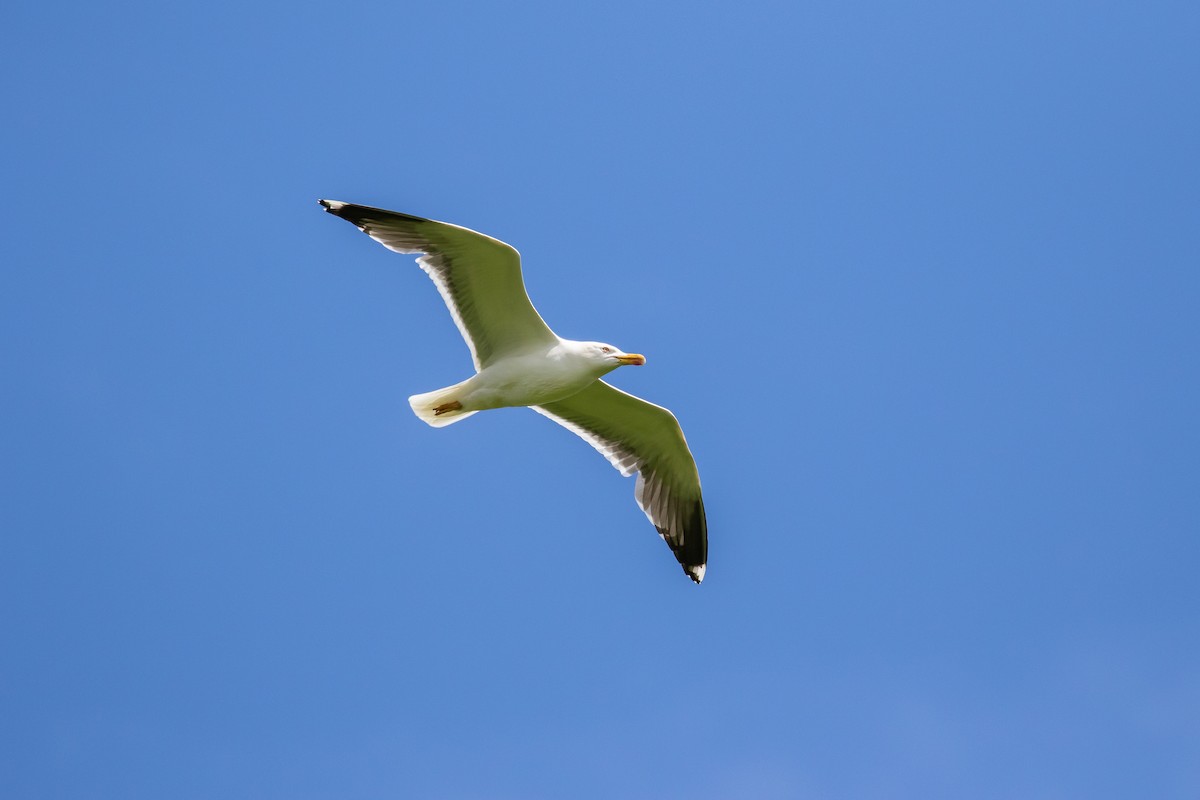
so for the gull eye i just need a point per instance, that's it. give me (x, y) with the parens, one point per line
(606, 349)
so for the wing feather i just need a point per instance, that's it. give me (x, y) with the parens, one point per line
(638, 436)
(478, 277)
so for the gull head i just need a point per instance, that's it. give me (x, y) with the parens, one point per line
(608, 357)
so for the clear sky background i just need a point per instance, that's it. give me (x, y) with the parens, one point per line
(920, 280)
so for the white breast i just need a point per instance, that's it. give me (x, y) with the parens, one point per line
(530, 380)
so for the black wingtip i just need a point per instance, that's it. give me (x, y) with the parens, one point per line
(690, 542)
(350, 212)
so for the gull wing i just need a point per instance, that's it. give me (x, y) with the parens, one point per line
(637, 436)
(479, 278)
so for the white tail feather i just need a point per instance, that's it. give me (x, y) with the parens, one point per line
(423, 406)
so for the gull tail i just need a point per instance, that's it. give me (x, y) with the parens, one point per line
(442, 407)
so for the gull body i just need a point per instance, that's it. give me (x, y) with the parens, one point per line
(542, 376)
(519, 361)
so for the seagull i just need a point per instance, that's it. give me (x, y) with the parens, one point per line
(519, 361)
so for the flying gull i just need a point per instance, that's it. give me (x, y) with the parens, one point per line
(519, 361)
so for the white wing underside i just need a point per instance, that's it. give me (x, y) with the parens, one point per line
(478, 277)
(638, 436)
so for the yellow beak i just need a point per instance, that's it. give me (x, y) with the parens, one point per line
(632, 359)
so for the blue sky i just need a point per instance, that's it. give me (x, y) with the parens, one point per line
(920, 281)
